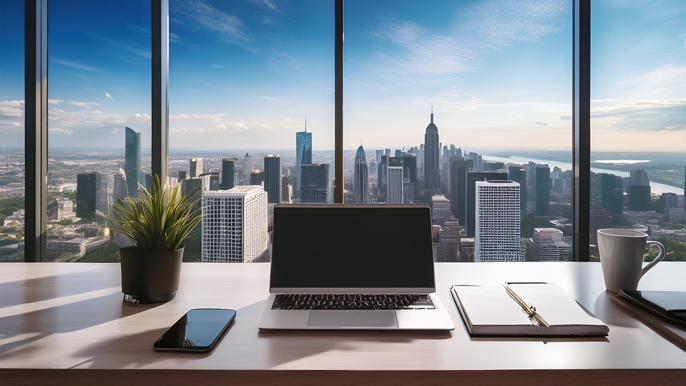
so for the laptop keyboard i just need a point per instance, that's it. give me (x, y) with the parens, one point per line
(352, 302)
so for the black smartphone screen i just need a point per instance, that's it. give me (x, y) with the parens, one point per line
(198, 330)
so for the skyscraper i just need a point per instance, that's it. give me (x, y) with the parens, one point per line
(272, 178)
(518, 175)
(248, 165)
(432, 179)
(303, 154)
(440, 209)
(182, 175)
(256, 177)
(497, 221)
(120, 190)
(315, 183)
(132, 161)
(547, 244)
(361, 178)
(88, 186)
(394, 190)
(379, 153)
(472, 178)
(234, 225)
(286, 190)
(458, 188)
(542, 190)
(196, 167)
(639, 190)
(228, 171)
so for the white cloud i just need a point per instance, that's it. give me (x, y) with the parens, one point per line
(108, 95)
(9, 123)
(272, 98)
(87, 105)
(668, 81)
(204, 15)
(217, 66)
(60, 131)
(541, 123)
(74, 64)
(180, 130)
(55, 101)
(267, 3)
(143, 117)
(115, 131)
(210, 117)
(483, 27)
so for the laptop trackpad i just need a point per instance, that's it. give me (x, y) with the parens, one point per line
(353, 319)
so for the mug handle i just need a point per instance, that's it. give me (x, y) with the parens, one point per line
(658, 259)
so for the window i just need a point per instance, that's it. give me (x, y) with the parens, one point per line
(11, 130)
(99, 121)
(638, 121)
(442, 95)
(251, 105)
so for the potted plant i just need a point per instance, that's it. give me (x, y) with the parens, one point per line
(157, 224)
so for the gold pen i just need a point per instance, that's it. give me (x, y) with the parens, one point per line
(527, 307)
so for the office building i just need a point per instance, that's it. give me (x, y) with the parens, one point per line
(497, 221)
(432, 179)
(518, 174)
(64, 209)
(303, 154)
(286, 190)
(196, 167)
(248, 165)
(182, 175)
(361, 178)
(458, 188)
(668, 201)
(256, 177)
(410, 168)
(394, 189)
(638, 177)
(315, 183)
(272, 178)
(88, 194)
(382, 176)
(542, 190)
(132, 161)
(234, 225)
(548, 244)
(612, 193)
(120, 190)
(228, 172)
(472, 178)
(447, 248)
(598, 219)
(639, 197)
(379, 153)
(440, 209)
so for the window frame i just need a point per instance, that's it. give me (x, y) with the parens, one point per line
(36, 115)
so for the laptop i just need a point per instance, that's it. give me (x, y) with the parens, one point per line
(339, 267)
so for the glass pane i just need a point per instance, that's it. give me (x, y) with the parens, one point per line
(445, 101)
(638, 121)
(11, 130)
(251, 104)
(99, 121)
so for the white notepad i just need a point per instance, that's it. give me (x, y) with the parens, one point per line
(488, 310)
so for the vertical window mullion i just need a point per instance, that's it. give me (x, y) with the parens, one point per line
(581, 126)
(160, 88)
(36, 128)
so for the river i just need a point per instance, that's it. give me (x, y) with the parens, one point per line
(655, 187)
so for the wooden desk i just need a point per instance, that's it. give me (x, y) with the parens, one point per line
(65, 323)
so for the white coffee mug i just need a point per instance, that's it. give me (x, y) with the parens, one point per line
(621, 256)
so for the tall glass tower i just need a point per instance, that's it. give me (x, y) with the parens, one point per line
(132, 164)
(303, 153)
(432, 179)
(361, 184)
(228, 170)
(272, 178)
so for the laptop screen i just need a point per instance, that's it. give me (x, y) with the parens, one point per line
(352, 246)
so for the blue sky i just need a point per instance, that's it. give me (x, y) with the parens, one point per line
(243, 73)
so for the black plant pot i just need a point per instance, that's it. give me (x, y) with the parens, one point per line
(150, 277)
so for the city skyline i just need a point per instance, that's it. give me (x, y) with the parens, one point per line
(496, 81)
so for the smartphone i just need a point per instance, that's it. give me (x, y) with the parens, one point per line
(197, 331)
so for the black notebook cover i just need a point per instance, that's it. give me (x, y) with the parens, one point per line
(668, 304)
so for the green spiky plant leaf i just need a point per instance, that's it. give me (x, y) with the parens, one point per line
(159, 221)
